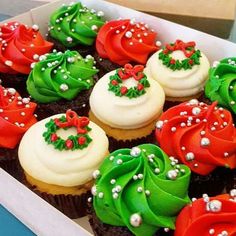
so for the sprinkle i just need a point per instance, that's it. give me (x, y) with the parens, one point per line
(172, 174)
(202, 132)
(115, 195)
(139, 189)
(159, 124)
(35, 27)
(8, 63)
(22, 113)
(94, 190)
(196, 111)
(189, 156)
(94, 27)
(96, 174)
(64, 87)
(117, 31)
(214, 206)
(128, 34)
(147, 192)
(226, 154)
(119, 161)
(100, 195)
(113, 181)
(135, 151)
(100, 13)
(135, 220)
(158, 43)
(173, 129)
(69, 39)
(211, 231)
(205, 142)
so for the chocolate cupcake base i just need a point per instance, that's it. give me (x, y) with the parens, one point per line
(231, 180)
(83, 50)
(102, 229)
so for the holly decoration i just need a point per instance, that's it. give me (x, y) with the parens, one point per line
(73, 142)
(192, 55)
(136, 72)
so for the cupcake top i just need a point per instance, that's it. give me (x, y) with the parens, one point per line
(126, 98)
(221, 85)
(199, 135)
(124, 41)
(20, 46)
(209, 216)
(75, 24)
(63, 149)
(16, 116)
(180, 69)
(140, 188)
(60, 76)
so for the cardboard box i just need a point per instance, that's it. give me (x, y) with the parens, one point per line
(38, 215)
(215, 17)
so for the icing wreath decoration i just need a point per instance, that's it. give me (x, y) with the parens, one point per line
(73, 142)
(192, 55)
(136, 72)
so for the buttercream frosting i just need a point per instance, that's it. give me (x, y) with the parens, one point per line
(75, 24)
(199, 135)
(123, 112)
(16, 116)
(182, 82)
(60, 76)
(124, 41)
(140, 189)
(221, 85)
(20, 46)
(61, 167)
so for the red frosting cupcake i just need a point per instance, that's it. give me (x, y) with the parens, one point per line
(20, 46)
(209, 216)
(124, 41)
(201, 136)
(16, 116)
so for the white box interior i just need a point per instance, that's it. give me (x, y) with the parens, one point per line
(38, 215)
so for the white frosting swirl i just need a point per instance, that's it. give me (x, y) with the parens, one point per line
(178, 83)
(123, 112)
(64, 168)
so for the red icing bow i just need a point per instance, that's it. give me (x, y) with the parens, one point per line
(73, 120)
(129, 71)
(180, 45)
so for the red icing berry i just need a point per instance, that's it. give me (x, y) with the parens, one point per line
(69, 144)
(140, 87)
(114, 82)
(190, 62)
(123, 90)
(54, 137)
(165, 51)
(81, 140)
(172, 61)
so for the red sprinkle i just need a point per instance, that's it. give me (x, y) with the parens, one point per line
(123, 90)
(54, 137)
(165, 51)
(172, 61)
(114, 82)
(81, 140)
(190, 62)
(69, 144)
(140, 87)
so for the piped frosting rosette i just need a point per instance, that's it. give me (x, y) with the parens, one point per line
(199, 135)
(16, 116)
(221, 85)
(140, 188)
(63, 150)
(180, 69)
(20, 46)
(209, 216)
(60, 76)
(124, 41)
(75, 24)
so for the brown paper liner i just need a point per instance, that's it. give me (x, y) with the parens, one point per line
(83, 50)
(102, 229)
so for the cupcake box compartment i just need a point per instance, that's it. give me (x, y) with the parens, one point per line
(38, 215)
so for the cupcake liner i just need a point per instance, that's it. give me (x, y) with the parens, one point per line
(102, 229)
(80, 105)
(83, 50)
(9, 161)
(211, 184)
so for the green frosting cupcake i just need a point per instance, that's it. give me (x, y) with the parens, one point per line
(75, 24)
(140, 188)
(60, 76)
(221, 85)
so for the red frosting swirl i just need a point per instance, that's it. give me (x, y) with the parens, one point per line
(198, 135)
(123, 41)
(16, 116)
(206, 217)
(20, 46)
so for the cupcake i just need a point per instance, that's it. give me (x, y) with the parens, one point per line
(138, 191)
(58, 156)
(126, 104)
(221, 85)
(180, 69)
(203, 137)
(20, 46)
(16, 116)
(61, 81)
(75, 26)
(124, 41)
(209, 216)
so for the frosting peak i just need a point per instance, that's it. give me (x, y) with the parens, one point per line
(20, 46)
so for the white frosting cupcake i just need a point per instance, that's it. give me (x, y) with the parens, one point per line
(179, 82)
(66, 168)
(123, 112)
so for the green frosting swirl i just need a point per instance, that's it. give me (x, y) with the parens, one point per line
(60, 76)
(141, 180)
(75, 24)
(221, 85)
